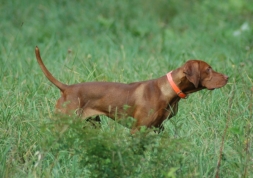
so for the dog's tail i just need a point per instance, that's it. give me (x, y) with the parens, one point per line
(50, 77)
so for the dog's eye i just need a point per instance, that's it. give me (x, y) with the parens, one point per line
(209, 69)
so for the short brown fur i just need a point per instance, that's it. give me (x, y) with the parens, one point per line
(149, 102)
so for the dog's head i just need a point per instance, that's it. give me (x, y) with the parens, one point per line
(201, 74)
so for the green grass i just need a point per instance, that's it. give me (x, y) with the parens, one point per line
(125, 41)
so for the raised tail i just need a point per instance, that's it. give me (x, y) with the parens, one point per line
(50, 77)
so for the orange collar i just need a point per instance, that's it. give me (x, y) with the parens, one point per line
(174, 86)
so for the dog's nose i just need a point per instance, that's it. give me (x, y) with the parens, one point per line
(226, 77)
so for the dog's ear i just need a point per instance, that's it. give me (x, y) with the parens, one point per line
(192, 73)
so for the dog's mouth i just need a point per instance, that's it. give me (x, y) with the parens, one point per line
(212, 87)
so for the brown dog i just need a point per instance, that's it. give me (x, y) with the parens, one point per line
(149, 102)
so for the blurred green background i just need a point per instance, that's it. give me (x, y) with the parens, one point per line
(125, 41)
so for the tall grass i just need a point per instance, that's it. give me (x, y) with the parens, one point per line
(211, 136)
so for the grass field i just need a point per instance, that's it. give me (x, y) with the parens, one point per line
(125, 41)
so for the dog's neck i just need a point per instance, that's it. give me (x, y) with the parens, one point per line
(174, 86)
(183, 83)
